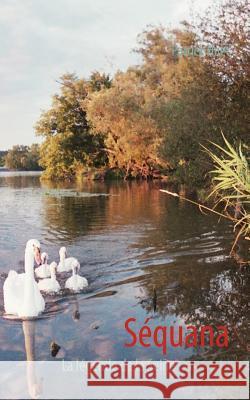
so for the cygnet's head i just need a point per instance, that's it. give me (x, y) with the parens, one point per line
(34, 246)
(53, 267)
(44, 257)
(63, 251)
(75, 266)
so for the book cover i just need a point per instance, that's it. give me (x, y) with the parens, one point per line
(124, 199)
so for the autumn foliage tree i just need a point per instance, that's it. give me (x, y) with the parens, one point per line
(124, 114)
(131, 112)
(153, 118)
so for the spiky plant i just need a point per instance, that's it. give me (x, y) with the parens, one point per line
(231, 178)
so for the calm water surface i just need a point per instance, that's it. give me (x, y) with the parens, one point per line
(129, 238)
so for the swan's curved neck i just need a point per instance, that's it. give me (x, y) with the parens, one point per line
(62, 259)
(74, 278)
(53, 275)
(29, 262)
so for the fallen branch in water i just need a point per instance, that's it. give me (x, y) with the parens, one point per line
(201, 206)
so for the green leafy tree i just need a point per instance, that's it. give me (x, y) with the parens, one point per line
(215, 98)
(23, 158)
(226, 26)
(69, 145)
(2, 158)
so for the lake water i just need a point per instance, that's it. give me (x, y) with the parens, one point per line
(145, 255)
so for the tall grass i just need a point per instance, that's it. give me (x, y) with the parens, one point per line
(231, 185)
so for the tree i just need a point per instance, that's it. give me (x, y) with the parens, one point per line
(152, 118)
(227, 26)
(131, 113)
(2, 158)
(69, 145)
(215, 98)
(123, 114)
(23, 158)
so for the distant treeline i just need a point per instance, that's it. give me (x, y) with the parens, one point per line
(150, 120)
(23, 158)
(2, 155)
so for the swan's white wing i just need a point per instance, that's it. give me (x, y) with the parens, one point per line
(33, 303)
(49, 286)
(69, 263)
(13, 291)
(76, 283)
(81, 282)
(69, 283)
(43, 271)
(42, 284)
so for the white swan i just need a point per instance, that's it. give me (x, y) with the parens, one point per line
(43, 271)
(66, 264)
(50, 285)
(76, 282)
(21, 294)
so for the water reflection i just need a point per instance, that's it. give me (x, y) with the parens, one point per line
(76, 313)
(68, 218)
(143, 253)
(34, 383)
(20, 180)
(221, 299)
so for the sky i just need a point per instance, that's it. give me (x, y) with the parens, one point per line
(43, 39)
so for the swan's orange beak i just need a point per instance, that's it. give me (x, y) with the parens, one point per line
(38, 256)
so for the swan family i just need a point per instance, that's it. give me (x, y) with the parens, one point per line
(22, 293)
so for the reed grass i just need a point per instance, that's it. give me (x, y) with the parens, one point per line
(231, 187)
(231, 184)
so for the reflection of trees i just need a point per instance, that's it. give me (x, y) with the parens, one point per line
(20, 181)
(172, 252)
(71, 216)
(74, 216)
(225, 302)
(181, 263)
(204, 298)
(133, 203)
